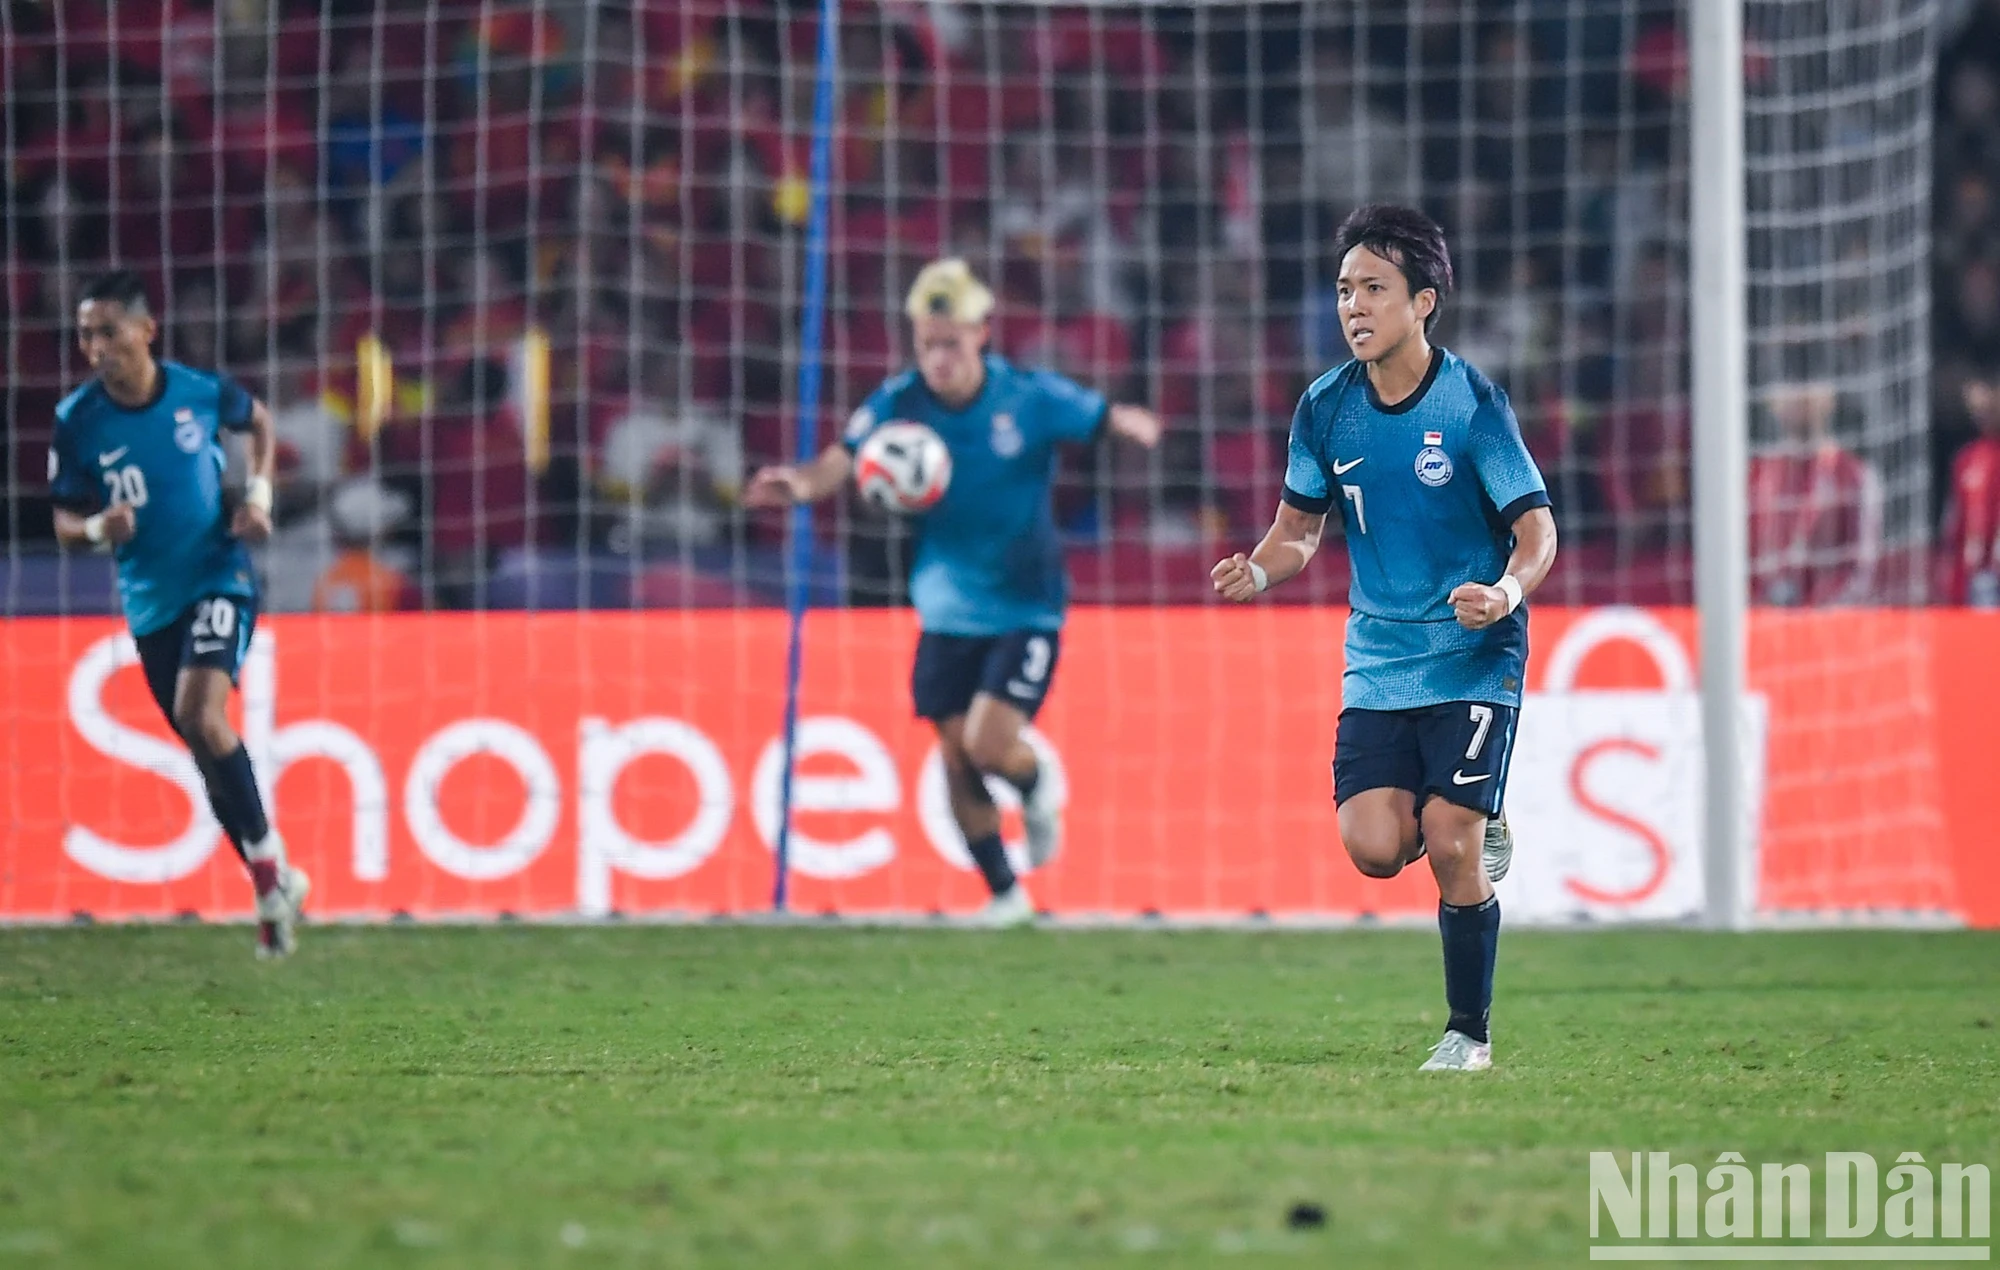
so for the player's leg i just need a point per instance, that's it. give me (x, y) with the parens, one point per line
(160, 658)
(1469, 928)
(1498, 850)
(1467, 746)
(1377, 771)
(1014, 683)
(993, 741)
(1379, 829)
(943, 684)
(217, 640)
(978, 818)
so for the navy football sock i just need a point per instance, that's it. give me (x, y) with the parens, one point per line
(991, 857)
(232, 787)
(223, 818)
(1471, 943)
(218, 803)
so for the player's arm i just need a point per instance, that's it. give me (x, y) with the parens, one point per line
(1134, 423)
(1076, 414)
(1508, 474)
(1287, 548)
(238, 411)
(112, 527)
(81, 518)
(1478, 604)
(788, 483)
(1294, 536)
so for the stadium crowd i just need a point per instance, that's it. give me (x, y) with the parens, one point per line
(571, 239)
(1965, 333)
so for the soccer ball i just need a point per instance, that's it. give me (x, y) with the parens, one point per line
(903, 467)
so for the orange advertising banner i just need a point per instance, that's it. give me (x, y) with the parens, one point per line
(599, 763)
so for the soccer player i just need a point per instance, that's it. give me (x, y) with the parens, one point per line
(989, 583)
(137, 469)
(1448, 527)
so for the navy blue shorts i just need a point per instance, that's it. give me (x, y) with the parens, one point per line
(1458, 751)
(213, 632)
(951, 669)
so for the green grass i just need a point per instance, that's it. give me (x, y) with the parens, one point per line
(826, 1097)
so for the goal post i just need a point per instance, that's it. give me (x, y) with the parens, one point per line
(1718, 345)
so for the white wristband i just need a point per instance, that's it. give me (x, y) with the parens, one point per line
(258, 493)
(93, 529)
(1258, 576)
(1511, 587)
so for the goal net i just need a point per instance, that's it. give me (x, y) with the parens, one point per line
(523, 284)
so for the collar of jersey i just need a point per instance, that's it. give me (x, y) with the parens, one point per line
(1423, 388)
(159, 393)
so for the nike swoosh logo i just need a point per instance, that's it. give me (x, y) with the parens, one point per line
(106, 460)
(209, 648)
(1342, 469)
(1458, 777)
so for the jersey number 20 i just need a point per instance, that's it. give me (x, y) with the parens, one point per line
(126, 485)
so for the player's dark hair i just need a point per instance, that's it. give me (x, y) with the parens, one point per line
(120, 286)
(1407, 239)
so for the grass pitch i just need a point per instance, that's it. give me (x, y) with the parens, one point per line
(829, 1097)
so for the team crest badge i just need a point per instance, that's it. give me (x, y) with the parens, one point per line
(187, 431)
(1006, 437)
(1433, 466)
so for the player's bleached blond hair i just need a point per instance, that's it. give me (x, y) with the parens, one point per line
(948, 288)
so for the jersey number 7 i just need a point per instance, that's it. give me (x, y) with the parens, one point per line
(1353, 493)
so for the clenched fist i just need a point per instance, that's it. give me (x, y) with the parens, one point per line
(1233, 579)
(251, 524)
(1477, 606)
(120, 523)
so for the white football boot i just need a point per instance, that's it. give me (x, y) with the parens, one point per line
(278, 914)
(1003, 911)
(1458, 1052)
(1042, 818)
(1497, 853)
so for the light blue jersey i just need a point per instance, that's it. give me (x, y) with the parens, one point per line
(1429, 490)
(989, 560)
(165, 460)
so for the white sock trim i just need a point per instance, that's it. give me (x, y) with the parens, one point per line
(271, 847)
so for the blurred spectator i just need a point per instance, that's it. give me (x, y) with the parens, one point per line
(1068, 333)
(668, 466)
(312, 434)
(260, 131)
(1357, 153)
(361, 577)
(470, 459)
(1968, 217)
(1965, 263)
(1970, 322)
(1815, 508)
(369, 139)
(1642, 452)
(1970, 544)
(194, 337)
(1055, 214)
